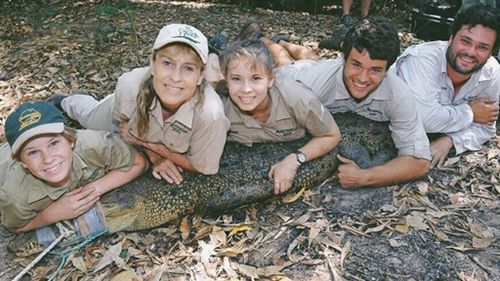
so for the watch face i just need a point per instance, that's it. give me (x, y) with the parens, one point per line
(301, 157)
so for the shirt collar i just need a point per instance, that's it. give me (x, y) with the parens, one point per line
(183, 115)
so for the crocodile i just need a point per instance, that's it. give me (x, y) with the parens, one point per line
(242, 178)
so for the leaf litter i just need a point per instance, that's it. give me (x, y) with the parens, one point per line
(445, 226)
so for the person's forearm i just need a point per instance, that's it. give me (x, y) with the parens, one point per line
(116, 178)
(42, 218)
(400, 169)
(319, 146)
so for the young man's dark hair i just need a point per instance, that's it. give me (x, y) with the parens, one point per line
(478, 14)
(377, 35)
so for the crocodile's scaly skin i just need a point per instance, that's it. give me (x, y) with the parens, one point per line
(242, 179)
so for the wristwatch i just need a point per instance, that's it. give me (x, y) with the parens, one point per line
(301, 157)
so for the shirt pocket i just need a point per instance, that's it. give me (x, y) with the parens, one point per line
(177, 137)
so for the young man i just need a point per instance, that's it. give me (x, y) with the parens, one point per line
(359, 82)
(456, 83)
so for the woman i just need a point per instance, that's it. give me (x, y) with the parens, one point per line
(167, 108)
(50, 173)
(264, 107)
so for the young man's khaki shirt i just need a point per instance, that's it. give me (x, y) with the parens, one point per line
(22, 195)
(294, 112)
(197, 128)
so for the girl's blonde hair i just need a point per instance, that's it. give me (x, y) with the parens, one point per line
(252, 50)
(147, 92)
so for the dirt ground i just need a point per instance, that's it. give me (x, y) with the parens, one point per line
(443, 227)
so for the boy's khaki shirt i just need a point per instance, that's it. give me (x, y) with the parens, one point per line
(22, 195)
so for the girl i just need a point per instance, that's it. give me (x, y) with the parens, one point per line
(167, 108)
(264, 107)
(57, 173)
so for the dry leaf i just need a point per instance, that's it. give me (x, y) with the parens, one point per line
(285, 218)
(476, 229)
(203, 231)
(133, 252)
(302, 220)
(207, 257)
(439, 214)
(247, 270)
(293, 197)
(417, 222)
(133, 237)
(422, 187)
(313, 233)
(441, 236)
(352, 229)
(126, 276)
(112, 254)
(238, 229)
(343, 254)
(218, 236)
(378, 228)
(292, 246)
(460, 246)
(402, 228)
(226, 264)
(185, 228)
(236, 249)
(79, 263)
(388, 208)
(271, 270)
(464, 277)
(480, 243)
(329, 242)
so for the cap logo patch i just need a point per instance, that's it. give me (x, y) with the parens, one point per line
(29, 117)
(188, 34)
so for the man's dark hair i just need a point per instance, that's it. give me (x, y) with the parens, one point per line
(375, 34)
(478, 14)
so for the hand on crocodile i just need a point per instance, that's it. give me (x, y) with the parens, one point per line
(76, 202)
(69, 206)
(166, 169)
(349, 173)
(439, 150)
(283, 173)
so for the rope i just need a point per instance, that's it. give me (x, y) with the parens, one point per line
(65, 254)
(64, 232)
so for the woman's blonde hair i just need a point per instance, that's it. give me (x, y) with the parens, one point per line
(147, 92)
